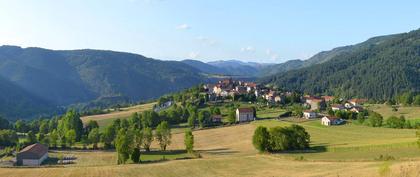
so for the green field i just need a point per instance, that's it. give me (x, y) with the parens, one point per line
(354, 142)
(266, 113)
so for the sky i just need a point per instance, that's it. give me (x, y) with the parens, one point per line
(207, 30)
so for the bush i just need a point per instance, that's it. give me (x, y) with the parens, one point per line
(395, 122)
(294, 137)
(261, 139)
(374, 119)
(135, 155)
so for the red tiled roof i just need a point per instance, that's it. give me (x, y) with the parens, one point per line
(328, 98)
(358, 100)
(332, 118)
(251, 84)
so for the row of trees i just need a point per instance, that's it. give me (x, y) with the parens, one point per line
(407, 98)
(128, 142)
(278, 139)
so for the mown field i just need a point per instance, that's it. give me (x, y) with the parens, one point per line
(409, 112)
(347, 150)
(105, 119)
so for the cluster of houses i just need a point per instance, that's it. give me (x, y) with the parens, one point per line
(230, 87)
(319, 103)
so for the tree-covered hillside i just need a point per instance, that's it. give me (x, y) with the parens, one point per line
(379, 68)
(205, 67)
(67, 77)
(16, 102)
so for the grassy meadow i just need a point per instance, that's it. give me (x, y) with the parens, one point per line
(345, 150)
(409, 112)
(105, 119)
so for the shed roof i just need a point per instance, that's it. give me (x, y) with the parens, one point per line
(37, 149)
(244, 110)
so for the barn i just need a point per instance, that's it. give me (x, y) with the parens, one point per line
(32, 155)
(245, 114)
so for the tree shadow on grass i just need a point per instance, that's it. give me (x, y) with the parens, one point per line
(167, 152)
(313, 149)
(219, 151)
(161, 156)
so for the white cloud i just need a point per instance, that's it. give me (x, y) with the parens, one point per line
(183, 27)
(248, 49)
(193, 55)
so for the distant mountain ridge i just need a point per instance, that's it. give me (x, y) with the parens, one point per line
(229, 67)
(64, 77)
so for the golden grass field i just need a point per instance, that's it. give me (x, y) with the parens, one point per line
(409, 112)
(104, 119)
(350, 150)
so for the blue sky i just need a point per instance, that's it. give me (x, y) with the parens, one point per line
(207, 30)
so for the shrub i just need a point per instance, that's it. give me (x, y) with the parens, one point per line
(277, 139)
(261, 139)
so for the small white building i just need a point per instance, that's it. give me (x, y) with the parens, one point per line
(245, 114)
(331, 120)
(308, 114)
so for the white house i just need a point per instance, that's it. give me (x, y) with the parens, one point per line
(308, 114)
(244, 114)
(331, 120)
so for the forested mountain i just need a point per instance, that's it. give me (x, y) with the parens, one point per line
(230, 67)
(282, 67)
(67, 77)
(16, 102)
(321, 57)
(239, 68)
(380, 68)
(205, 67)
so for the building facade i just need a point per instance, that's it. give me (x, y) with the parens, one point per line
(245, 114)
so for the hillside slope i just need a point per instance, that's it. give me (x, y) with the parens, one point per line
(321, 57)
(379, 68)
(16, 102)
(204, 67)
(67, 77)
